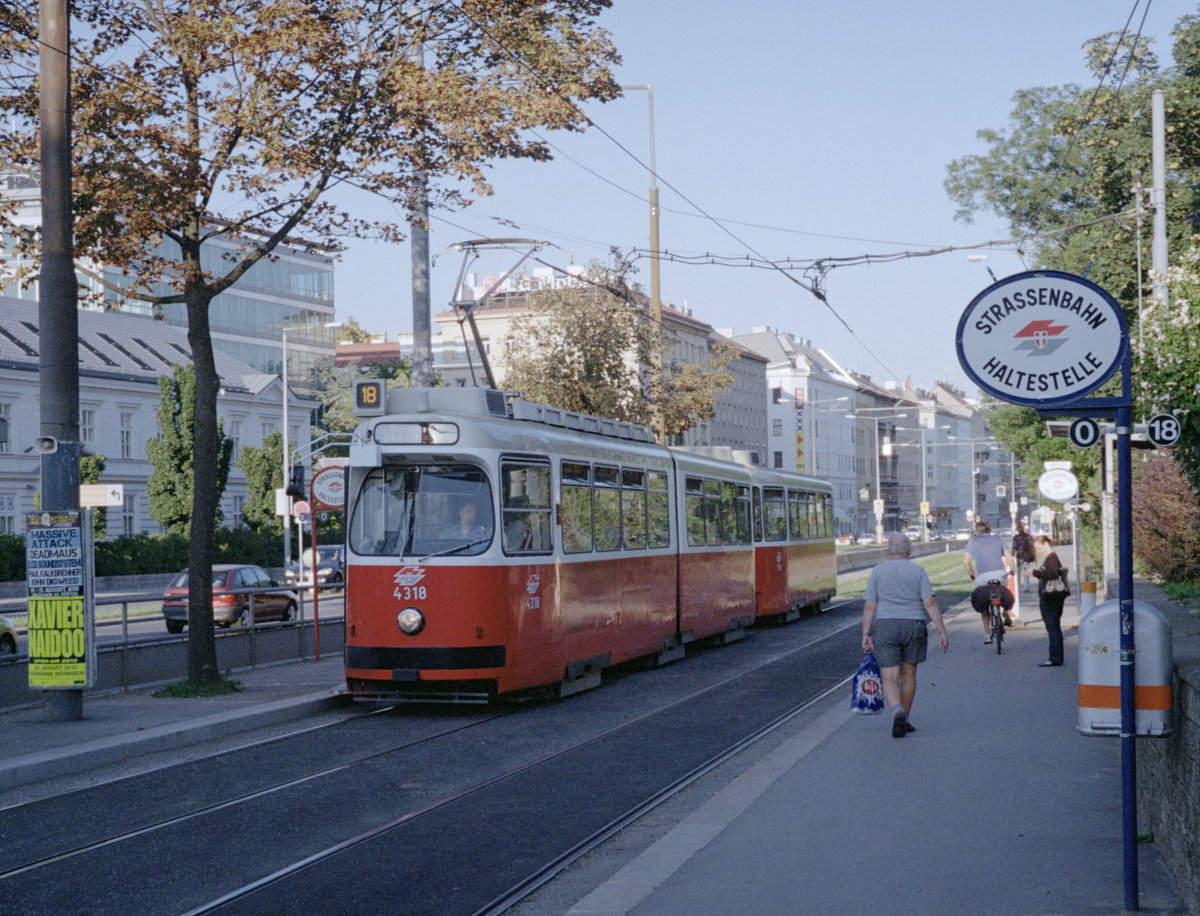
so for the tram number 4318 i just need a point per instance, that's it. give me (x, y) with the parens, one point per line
(410, 592)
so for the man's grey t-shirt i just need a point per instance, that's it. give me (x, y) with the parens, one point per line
(988, 551)
(899, 587)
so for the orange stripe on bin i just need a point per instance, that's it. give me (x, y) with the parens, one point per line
(1146, 697)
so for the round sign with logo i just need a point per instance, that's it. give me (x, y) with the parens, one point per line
(1058, 485)
(329, 488)
(1041, 337)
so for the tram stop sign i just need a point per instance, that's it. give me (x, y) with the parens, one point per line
(1040, 338)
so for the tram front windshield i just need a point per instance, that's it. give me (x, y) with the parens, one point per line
(420, 510)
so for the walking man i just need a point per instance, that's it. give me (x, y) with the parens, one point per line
(898, 605)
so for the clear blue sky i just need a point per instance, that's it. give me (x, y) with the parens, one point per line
(827, 126)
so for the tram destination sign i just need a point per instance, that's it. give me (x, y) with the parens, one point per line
(1041, 337)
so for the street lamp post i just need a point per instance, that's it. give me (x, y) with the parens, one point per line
(924, 474)
(287, 463)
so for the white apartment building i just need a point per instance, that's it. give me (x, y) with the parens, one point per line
(121, 358)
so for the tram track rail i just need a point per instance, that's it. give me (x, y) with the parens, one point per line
(478, 798)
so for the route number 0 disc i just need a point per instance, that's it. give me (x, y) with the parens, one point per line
(1084, 432)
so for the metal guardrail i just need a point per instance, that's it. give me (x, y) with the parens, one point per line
(147, 660)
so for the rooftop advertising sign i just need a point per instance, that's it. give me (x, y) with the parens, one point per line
(1041, 337)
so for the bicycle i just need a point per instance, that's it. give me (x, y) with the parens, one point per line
(996, 610)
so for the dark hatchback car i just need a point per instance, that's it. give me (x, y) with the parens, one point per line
(231, 600)
(331, 568)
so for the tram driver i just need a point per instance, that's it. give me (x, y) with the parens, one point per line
(466, 526)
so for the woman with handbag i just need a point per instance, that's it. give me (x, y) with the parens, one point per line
(1052, 594)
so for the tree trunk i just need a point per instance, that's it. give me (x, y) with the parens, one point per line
(202, 646)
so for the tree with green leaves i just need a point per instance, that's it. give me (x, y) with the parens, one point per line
(198, 121)
(172, 455)
(351, 332)
(1065, 165)
(1063, 175)
(263, 468)
(585, 348)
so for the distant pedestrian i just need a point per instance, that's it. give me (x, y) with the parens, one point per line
(1050, 603)
(1022, 551)
(898, 605)
(987, 559)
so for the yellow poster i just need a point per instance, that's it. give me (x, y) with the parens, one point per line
(57, 642)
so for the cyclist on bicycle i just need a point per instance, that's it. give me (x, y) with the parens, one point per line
(986, 559)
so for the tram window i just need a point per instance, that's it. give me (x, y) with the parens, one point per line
(828, 500)
(796, 517)
(525, 490)
(742, 507)
(774, 514)
(814, 522)
(718, 505)
(608, 508)
(756, 510)
(576, 508)
(694, 495)
(633, 508)
(412, 509)
(658, 509)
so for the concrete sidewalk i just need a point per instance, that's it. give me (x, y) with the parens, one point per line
(995, 805)
(121, 725)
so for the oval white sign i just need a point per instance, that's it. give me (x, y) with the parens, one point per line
(329, 487)
(1058, 485)
(1041, 337)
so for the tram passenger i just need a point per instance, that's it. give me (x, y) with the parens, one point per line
(466, 527)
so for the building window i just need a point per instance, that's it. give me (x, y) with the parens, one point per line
(235, 434)
(126, 435)
(776, 395)
(776, 427)
(127, 515)
(778, 459)
(266, 429)
(8, 513)
(239, 520)
(87, 425)
(6, 416)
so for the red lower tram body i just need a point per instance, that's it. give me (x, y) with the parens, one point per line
(509, 628)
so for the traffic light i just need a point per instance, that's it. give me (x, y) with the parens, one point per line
(295, 488)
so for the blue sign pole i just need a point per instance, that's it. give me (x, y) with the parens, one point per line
(1049, 340)
(1124, 430)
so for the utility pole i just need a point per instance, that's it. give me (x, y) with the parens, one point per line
(657, 421)
(58, 306)
(1158, 197)
(422, 365)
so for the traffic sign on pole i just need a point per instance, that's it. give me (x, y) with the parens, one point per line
(1084, 432)
(1163, 430)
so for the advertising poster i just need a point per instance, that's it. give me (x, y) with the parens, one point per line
(57, 555)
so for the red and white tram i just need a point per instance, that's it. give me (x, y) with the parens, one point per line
(495, 545)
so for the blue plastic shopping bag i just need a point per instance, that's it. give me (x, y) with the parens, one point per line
(866, 694)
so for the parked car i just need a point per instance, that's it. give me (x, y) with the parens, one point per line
(271, 601)
(8, 637)
(914, 532)
(865, 539)
(331, 567)
(964, 534)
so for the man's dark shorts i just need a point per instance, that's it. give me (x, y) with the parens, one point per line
(981, 598)
(899, 640)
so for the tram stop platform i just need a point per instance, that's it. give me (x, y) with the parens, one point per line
(995, 805)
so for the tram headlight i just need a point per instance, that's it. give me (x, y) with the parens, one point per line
(410, 621)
